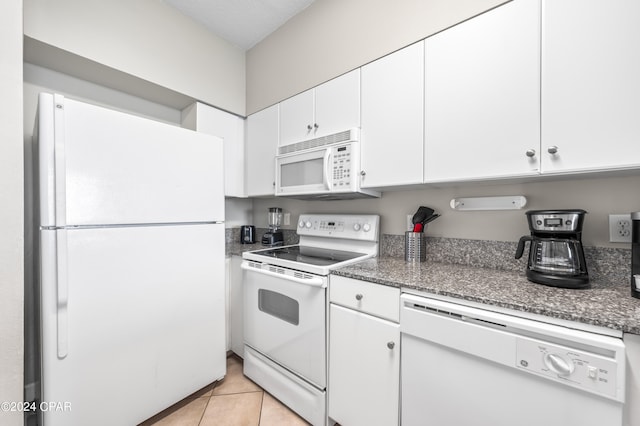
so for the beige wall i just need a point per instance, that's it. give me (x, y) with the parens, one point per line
(599, 196)
(11, 209)
(332, 37)
(146, 39)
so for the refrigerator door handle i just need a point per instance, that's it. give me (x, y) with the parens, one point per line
(62, 290)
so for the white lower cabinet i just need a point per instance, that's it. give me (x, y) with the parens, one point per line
(364, 355)
(236, 310)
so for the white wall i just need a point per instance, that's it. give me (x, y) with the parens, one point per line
(11, 209)
(147, 39)
(332, 37)
(599, 196)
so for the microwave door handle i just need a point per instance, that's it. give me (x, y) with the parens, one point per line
(327, 171)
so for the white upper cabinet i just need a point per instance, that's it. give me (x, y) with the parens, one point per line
(590, 85)
(329, 108)
(262, 144)
(482, 96)
(229, 127)
(393, 119)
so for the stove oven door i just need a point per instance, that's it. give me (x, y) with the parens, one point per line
(284, 318)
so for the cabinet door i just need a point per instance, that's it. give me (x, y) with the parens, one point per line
(262, 144)
(590, 85)
(296, 118)
(206, 119)
(392, 119)
(337, 104)
(231, 129)
(482, 101)
(236, 310)
(364, 372)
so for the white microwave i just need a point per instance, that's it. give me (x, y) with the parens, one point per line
(323, 168)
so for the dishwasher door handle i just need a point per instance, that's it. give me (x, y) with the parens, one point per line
(313, 281)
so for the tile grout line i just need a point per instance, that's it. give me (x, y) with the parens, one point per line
(205, 409)
(261, 406)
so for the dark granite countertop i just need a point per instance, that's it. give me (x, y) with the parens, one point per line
(607, 305)
(236, 249)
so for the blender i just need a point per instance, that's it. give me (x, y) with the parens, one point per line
(274, 236)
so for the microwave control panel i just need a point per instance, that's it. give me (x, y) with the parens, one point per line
(342, 166)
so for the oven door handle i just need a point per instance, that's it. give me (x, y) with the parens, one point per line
(313, 282)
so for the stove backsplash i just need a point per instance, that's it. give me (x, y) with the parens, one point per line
(232, 235)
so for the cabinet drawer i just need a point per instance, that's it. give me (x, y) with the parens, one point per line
(374, 299)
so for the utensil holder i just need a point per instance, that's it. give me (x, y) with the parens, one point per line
(415, 246)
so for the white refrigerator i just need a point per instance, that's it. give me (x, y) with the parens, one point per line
(131, 266)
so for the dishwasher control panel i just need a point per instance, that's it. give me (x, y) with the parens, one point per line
(582, 369)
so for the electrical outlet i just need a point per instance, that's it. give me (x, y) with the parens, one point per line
(409, 226)
(287, 218)
(620, 228)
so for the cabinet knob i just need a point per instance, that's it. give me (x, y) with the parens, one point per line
(363, 173)
(309, 127)
(273, 184)
(552, 149)
(315, 125)
(531, 153)
(359, 296)
(391, 345)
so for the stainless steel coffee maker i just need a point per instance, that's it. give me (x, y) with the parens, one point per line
(556, 256)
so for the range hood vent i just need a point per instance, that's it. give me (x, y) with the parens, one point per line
(345, 136)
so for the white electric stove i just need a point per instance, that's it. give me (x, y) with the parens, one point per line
(285, 307)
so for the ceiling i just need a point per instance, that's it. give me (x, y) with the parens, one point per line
(243, 23)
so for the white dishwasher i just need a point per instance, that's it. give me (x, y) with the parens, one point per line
(466, 366)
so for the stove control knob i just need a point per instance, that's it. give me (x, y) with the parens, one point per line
(356, 227)
(308, 224)
(366, 227)
(301, 224)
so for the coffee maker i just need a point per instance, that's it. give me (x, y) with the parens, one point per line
(274, 236)
(556, 256)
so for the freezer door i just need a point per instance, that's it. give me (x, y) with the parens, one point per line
(132, 320)
(107, 167)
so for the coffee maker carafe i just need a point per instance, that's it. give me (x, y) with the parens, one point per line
(556, 256)
(274, 236)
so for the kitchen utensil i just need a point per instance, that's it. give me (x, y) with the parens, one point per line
(421, 214)
(556, 256)
(430, 219)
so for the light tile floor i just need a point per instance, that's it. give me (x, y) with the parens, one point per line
(233, 401)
